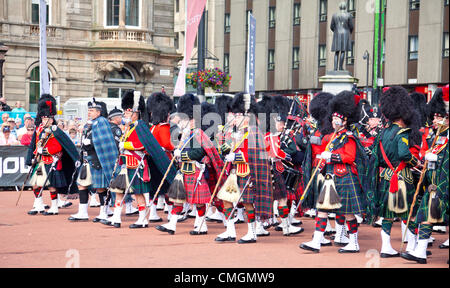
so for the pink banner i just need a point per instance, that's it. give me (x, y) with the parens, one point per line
(194, 15)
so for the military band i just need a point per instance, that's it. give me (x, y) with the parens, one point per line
(263, 162)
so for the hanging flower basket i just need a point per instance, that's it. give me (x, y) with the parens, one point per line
(215, 79)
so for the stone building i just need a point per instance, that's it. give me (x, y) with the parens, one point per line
(96, 48)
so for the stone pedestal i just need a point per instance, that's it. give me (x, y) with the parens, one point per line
(335, 82)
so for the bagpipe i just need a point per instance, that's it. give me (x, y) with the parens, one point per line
(48, 132)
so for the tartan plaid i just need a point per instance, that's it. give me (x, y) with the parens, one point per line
(215, 161)
(99, 179)
(440, 178)
(260, 173)
(384, 196)
(349, 190)
(105, 146)
(202, 194)
(279, 185)
(138, 186)
(56, 179)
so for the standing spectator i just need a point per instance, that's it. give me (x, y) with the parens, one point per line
(6, 138)
(26, 138)
(73, 135)
(19, 107)
(3, 105)
(12, 126)
(5, 117)
(18, 122)
(22, 131)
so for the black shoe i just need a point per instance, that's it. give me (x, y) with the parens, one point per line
(409, 257)
(95, 220)
(429, 253)
(442, 246)
(77, 219)
(246, 241)
(164, 229)
(306, 247)
(212, 220)
(193, 232)
(47, 207)
(240, 222)
(278, 228)
(340, 244)
(263, 235)
(385, 255)
(115, 225)
(184, 218)
(131, 214)
(297, 224)
(49, 213)
(32, 212)
(105, 222)
(229, 239)
(138, 226)
(298, 232)
(156, 221)
(326, 244)
(348, 251)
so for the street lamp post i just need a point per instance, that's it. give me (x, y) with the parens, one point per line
(366, 57)
(3, 50)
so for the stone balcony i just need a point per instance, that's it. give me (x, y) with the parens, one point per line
(122, 38)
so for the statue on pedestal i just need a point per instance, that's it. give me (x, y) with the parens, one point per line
(342, 27)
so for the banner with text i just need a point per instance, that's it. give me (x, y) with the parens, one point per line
(13, 170)
(250, 75)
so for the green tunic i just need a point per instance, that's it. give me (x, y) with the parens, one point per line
(395, 141)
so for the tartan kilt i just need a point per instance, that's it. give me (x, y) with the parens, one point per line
(138, 186)
(202, 194)
(279, 185)
(98, 178)
(384, 194)
(57, 178)
(422, 213)
(349, 189)
(249, 195)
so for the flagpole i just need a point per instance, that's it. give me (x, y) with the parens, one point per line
(185, 42)
(44, 83)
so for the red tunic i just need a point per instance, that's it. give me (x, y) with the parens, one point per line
(161, 132)
(52, 146)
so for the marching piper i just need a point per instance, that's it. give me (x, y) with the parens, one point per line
(51, 156)
(98, 155)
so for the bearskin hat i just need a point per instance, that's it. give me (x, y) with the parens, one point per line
(134, 101)
(159, 106)
(46, 107)
(186, 105)
(395, 104)
(265, 106)
(281, 106)
(223, 106)
(438, 105)
(420, 104)
(238, 104)
(318, 107)
(344, 106)
(115, 112)
(206, 109)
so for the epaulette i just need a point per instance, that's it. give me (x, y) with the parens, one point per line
(403, 130)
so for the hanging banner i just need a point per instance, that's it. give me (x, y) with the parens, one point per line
(13, 170)
(44, 83)
(250, 65)
(194, 11)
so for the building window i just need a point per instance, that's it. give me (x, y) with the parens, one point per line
(296, 58)
(383, 57)
(351, 7)
(413, 48)
(322, 55)
(124, 75)
(271, 60)
(445, 50)
(132, 13)
(351, 55)
(414, 4)
(227, 23)
(272, 18)
(323, 11)
(446, 2)
(226, 63)
(35, 88)
(112, 12)
(117, 92)
(176, 41)
(297, 14)
(35, 11)
(177, 6)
